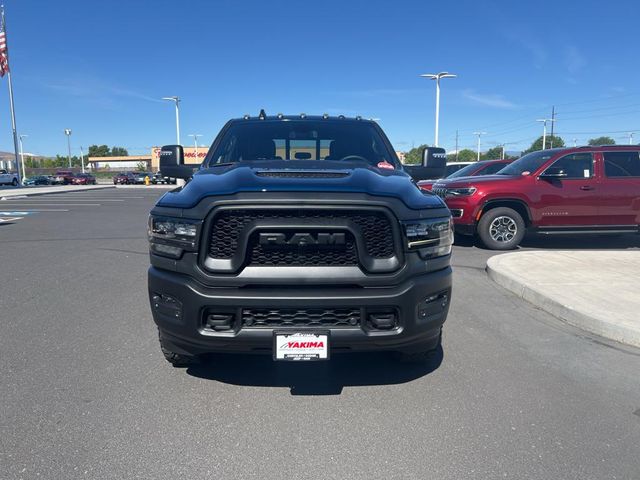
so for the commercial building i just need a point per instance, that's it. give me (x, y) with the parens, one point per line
(151, 161)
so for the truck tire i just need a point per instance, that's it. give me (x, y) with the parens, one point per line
(501, 228)
(425, 355)
(176, 359)
(14, 182)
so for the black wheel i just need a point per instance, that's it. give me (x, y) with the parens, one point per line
(14, 182)
(501, 228)
(176, 359)
(430, 352)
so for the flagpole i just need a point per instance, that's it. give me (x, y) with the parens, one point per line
(13, 111)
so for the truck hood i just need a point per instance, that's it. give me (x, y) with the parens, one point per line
(299, 176)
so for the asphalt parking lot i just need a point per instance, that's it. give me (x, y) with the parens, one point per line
(85, 392)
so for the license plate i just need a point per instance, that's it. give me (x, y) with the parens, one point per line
(301, 346)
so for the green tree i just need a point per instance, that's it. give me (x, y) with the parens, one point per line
(141, 166)
(414, 156)
(119, 152)
(466, 155)
(99, 151)
(551, 140)
(602, 141)
(494, 153)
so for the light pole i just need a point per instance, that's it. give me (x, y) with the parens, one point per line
(575, 142)
(437, 77)
(195, 141)
(82, 158)
(22, 155)
(176, 100)
(479, 134)
(630, 138)
(544, 129)
(67, 132)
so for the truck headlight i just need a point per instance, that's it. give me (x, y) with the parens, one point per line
(171, 236)
(460, 192)
(433, 237)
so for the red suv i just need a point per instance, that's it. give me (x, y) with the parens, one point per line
(575, 190)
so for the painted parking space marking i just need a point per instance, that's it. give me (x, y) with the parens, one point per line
(20, 213)
(9, 219)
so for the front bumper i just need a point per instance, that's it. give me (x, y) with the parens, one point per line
(418, 324)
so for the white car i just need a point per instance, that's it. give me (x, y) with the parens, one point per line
(7, 178)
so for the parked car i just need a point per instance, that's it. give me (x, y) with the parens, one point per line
(7, 178)
(84, 179)
(297, 254)
(594, 189)
(63, 177)
(124, 178)
(140, 176)
(485, 167)
(158, 178)
(37, 180)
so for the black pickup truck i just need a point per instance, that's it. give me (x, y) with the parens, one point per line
(298, 237)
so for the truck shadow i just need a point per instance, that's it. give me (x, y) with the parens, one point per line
(314, 378)
(562, 242)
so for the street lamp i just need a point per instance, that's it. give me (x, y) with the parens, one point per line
(544, 129)
(437, 77)
(479, 134)
(195, 141)
(177, 101)
(67, 132)
(22, 155)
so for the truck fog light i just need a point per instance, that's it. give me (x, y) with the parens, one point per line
(166, 305)
(383, 320)
(166, 250)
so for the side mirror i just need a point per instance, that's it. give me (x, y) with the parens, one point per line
(172, 163)
(434, 157)
(553, 172)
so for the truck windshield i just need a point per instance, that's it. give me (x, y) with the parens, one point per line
(527, 163)
(340, 140)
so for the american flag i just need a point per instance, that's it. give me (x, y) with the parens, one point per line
(4, 59)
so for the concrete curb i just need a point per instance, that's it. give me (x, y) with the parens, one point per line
(569, 314)
(27, 192)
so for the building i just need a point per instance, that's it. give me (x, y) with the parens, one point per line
(152, 161)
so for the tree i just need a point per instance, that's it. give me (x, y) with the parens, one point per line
(99, 151)
(602, 141)
(551, 140)
(141, 166)
(466, 155)
(119, 152)
(494, 153)
(414, 156)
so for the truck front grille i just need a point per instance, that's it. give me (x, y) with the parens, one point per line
(441, 192)
(306, 317)
(229, 225)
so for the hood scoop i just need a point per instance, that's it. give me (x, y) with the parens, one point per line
(300, 174)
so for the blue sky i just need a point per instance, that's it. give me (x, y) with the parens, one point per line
(100, 68)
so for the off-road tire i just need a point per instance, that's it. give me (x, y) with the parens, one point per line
(501, 228)
(176, 359)
(422, 356)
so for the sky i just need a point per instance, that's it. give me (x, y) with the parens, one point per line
(101, 68)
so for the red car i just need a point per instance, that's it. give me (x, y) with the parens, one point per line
(486, 167)
(124, 178)
(62, 177)
(83, 179)
(593, 189)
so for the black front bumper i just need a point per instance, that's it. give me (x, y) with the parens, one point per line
(183, 330)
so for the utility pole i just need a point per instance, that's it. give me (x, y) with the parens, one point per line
(575, 142)
(630, 138)
(479, 134)
(437, 77)
(195, 141)
(177, 101)
(553, 121)
(456, 145)
(67, 132)
(544, 130)
(22, 156)
(82, 158)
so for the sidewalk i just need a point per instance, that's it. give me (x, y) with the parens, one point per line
(28, 191)
(597, 291)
